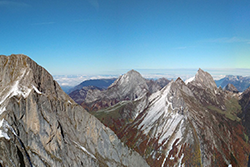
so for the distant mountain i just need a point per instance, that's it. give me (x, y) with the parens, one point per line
(155, 85)
(66, 89)
(42, 126)
(241, 83)
(232, 88)
(100, 83)
(79, 95)
(183, 124)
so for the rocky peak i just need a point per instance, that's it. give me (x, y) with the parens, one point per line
(131, 77)
(204, 79)
(182, 86)
(231, 88)
(128, 86)
(179, 81)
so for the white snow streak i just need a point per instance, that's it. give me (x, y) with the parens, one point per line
(84, 149)
(4, 129)
(2, 109)
(189, 80)
(37, 91)
(181, 165)
(160, 119)
(15, 89)
(163, 121)
(162, 165)
(171, 158)
(158, 108)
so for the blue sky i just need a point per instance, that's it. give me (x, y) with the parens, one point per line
(107, 36)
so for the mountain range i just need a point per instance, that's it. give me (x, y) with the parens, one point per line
(241, 83)
(132, 121)
(191, 123)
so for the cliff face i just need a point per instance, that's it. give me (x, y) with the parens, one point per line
(41, 126)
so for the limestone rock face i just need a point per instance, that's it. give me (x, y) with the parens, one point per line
(204, 79)
(42, 126)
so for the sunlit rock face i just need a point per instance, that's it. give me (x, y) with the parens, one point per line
(42, 126)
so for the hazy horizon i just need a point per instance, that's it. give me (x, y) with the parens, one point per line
(75, 79)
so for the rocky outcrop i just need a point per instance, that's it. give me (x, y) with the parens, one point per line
(41, 126)
(204, 80)
(231, 88)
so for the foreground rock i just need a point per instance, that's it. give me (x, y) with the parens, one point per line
(41, 126)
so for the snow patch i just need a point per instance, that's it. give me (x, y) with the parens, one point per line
(158, 108)
(162, 165)
(2, 109)
(85, 150)
(15, 90)
(189, 80)
(181, 165)
(171, 158)
(37, 91)
(4, 129)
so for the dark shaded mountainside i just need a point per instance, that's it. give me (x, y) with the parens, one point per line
(42, 126)
(183, 124)
(79, 92)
